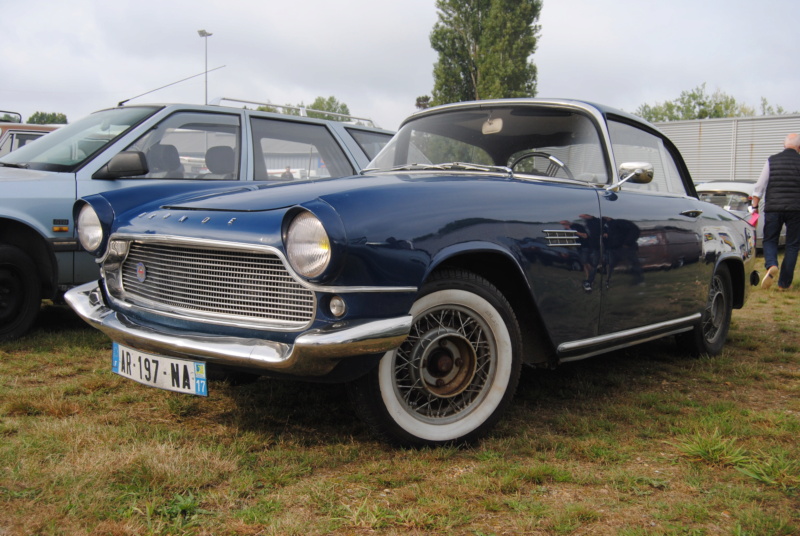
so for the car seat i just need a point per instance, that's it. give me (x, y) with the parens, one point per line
(220, 162)
(164, 162)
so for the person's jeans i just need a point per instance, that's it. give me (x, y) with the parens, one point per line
(773, 222)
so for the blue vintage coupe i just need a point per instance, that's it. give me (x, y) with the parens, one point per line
(485, 236)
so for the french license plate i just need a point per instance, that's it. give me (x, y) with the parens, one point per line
(163, 372)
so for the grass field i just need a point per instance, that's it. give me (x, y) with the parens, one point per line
(640, 442)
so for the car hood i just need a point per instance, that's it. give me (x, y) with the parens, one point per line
(262, 197)
(8, 174)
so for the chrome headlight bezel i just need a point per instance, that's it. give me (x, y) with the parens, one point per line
(90, 230)
(308, 246)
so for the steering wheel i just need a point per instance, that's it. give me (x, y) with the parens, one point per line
(553, 164)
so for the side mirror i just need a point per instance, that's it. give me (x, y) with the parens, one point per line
(635, 172)
(124, 164)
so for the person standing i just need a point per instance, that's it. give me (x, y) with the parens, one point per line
(779, 186)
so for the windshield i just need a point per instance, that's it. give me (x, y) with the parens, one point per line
(67, 148)
(735, 201)
(535, 140)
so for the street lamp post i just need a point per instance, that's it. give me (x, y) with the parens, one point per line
(205, 35)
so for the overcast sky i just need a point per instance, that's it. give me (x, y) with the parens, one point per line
(374, 55)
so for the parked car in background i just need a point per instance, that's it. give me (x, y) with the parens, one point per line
(736, 197)
(15, 134)
(178, 146)
(484, 236)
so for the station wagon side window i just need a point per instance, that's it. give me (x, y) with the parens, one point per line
(370, 142)
(632, 144)
(289, 150)
(192, 145)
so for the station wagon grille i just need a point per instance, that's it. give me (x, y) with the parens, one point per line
(252, 286)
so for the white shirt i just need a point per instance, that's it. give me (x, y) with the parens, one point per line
(761, 184)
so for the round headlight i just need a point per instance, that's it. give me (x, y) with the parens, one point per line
(307, 245)
(90, 232)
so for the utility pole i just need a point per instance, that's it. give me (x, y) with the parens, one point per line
(205, 35)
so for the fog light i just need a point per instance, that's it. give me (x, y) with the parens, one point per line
(337, 306)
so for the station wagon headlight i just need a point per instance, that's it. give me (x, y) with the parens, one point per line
(307, 245)
(90, 232)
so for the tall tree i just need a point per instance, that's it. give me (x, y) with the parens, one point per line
(484, 49)
(43, 118)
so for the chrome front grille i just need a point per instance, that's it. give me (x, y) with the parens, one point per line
(212, 284)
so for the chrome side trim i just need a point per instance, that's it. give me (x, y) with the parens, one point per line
(624, 339)
(314, 353)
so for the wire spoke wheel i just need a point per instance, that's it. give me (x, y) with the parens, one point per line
(443, 368)
(452, 378)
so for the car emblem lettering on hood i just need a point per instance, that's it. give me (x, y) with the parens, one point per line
(141, 272)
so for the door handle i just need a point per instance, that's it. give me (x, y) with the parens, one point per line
(691, 213)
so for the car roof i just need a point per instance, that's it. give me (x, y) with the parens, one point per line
(572, 103)
(299, 113)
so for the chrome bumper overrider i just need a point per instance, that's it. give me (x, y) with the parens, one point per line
(314, 353)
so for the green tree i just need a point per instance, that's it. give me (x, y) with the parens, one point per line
(328, 105)
(768, 109)
(698, 104)
(43, 118)
(484, 49)
(270, 109)
(320, 105)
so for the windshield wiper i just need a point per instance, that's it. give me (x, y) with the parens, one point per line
(10, 164)
(404, 167)
(449, 166)
(464, 166)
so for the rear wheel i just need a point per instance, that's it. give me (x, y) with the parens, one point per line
(20, 292)
(710, 335)
(451, 380)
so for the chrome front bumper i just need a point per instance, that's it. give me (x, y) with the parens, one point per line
(314, 353)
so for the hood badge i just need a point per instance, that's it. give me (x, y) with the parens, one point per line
(141, 272)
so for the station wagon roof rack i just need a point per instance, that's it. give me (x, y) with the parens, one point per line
(301, 109)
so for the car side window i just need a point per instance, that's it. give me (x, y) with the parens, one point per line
(192, 145)
(15, 140)
(370, 142)
(289, 150)
(5, 148)
(632, 144)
